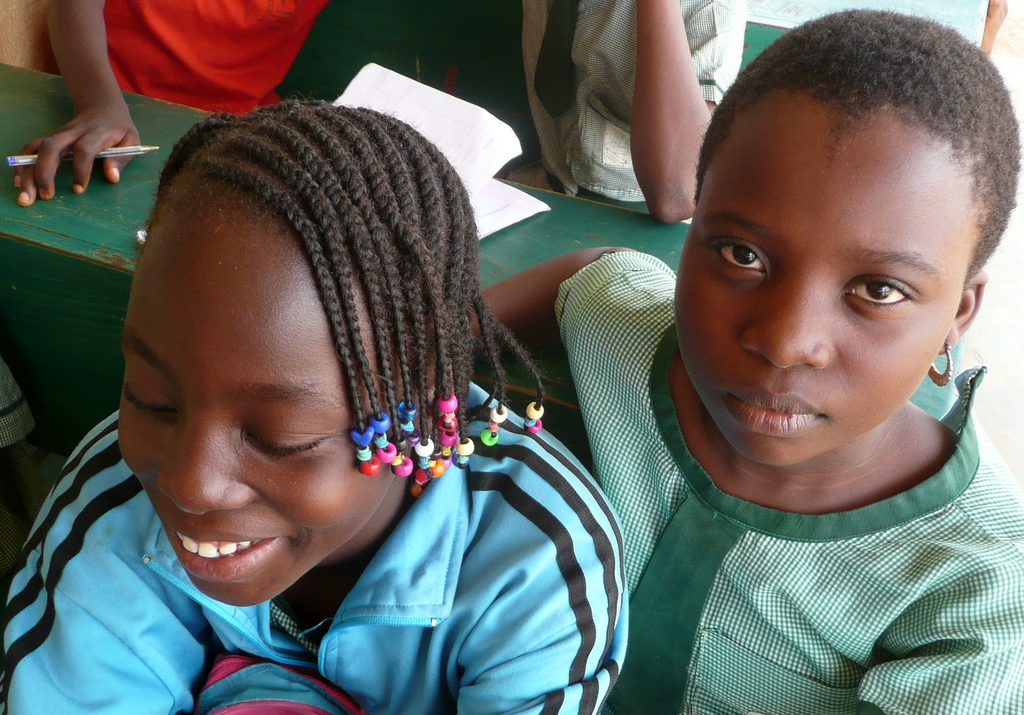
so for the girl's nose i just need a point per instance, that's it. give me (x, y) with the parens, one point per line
(201, 473)
(791, 329)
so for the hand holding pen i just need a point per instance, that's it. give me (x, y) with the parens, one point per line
(85, 136)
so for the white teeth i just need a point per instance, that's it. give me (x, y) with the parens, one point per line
(188, 543)
(208, 550)
(213, 549)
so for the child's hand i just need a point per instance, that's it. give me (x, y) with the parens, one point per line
(90, 132)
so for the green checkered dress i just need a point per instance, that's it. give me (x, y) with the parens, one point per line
(913, 605)
(588, 145)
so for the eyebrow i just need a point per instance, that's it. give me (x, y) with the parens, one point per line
(131, 342)
(911, 259)
(262, 391)
(734, 217)
(274, 392)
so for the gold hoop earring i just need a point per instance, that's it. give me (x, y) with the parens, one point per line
(941, 379)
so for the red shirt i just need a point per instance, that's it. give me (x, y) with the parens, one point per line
(220, 55)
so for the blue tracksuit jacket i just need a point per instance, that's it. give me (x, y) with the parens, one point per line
(500, 591)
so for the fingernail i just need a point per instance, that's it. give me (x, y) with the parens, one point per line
(116, 173)
(17, 181)
(23, 199)
(77, 188)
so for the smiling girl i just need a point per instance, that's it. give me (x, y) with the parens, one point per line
(800, 537)
(301, 469)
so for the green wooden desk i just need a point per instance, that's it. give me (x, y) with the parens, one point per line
(65, 265)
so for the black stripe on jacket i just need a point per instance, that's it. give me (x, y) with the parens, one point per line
(65, 550)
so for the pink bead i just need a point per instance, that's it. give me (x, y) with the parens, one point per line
(536, 427)
(493, 426)
(447, 404)
(387, 453)
(449, 439)
(404, 469)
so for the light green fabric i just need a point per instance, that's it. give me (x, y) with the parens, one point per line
(911, 605)
(580, 71)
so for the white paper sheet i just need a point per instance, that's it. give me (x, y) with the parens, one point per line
(475, 141)
(498, 205)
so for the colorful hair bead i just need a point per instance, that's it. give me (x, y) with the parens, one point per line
(371, 467)
(533, 422)
(407, 411)
(387, 453)
(448, 439)
(464, 449)
(403, 468)
(380, 424)
(362, 440)
(498, 415)
(437, 468)
(489, 438)
(424, 450)
(534, 411)
(447, 405)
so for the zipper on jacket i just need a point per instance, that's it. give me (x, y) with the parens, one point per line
(196, 595)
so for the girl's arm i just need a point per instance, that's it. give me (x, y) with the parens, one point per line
(669, 112)
(525, 302)
(102, 120)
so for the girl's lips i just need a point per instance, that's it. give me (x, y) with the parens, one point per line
(223, 561)
(773, 417)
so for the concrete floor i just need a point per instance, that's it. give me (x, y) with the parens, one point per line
(997, 337)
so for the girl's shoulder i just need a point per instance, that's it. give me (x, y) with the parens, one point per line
(534, 477)
(95, 489)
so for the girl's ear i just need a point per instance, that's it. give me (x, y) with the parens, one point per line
(970, 303)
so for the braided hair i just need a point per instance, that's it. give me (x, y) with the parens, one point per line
(858, 62)
(386, 223)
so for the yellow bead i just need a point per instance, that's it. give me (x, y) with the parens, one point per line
(465, 447)
(534, 412)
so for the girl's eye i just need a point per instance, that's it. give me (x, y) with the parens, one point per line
(739, 255)
(278, 450)
(155, 410)
(880, 292)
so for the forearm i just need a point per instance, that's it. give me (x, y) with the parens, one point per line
(525, 302)
(79, 37)
(669, 112)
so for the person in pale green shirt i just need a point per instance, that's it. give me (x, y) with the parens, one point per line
(799, 536)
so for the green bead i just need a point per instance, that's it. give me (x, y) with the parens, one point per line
(489, 438)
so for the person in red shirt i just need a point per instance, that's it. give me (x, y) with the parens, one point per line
(214, 55)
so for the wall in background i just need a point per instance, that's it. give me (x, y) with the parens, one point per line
(24, 41)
